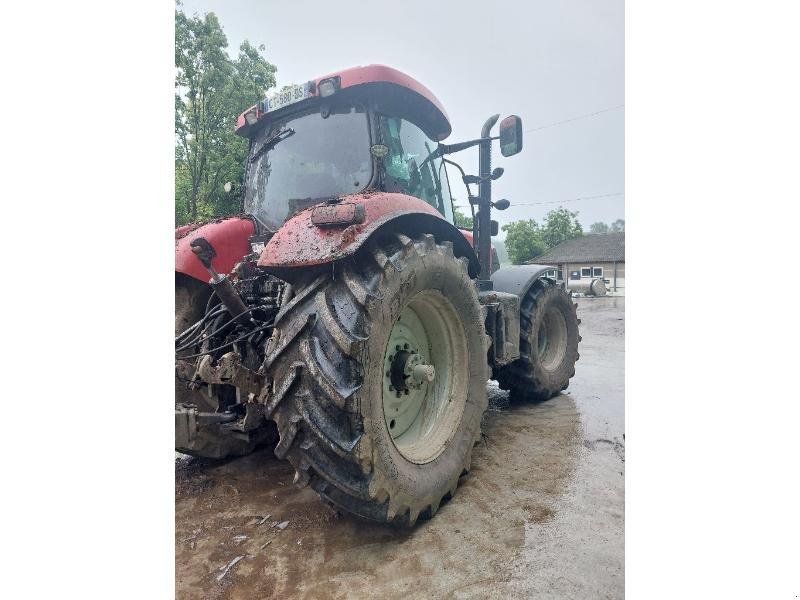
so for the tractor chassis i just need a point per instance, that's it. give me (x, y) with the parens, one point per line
(220, 434)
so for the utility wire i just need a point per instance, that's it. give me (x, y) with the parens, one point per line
(513, 204)
(568, 200)
(586, 116)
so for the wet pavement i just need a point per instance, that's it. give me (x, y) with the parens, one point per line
(540, 515)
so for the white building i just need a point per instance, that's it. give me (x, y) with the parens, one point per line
(591, 256)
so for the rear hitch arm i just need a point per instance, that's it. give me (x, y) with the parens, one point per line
(222, 285)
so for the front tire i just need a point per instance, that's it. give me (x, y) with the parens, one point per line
(548, 345)
(369, 433)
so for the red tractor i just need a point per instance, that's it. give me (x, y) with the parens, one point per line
(344, 306)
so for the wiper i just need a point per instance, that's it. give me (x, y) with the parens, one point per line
(272, 142)
(435, 153)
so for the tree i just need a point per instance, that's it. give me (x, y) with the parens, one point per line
(618, 225)
(523, 241)
(560, 225)
(211, 89)
(462, 221)
(598, 228)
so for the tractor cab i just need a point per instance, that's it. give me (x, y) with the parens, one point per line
(365, 128)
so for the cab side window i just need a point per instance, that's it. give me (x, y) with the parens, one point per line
(409, 168)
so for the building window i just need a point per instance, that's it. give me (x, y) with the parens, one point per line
(586, 271)
(573, 275)
(597, 272)
(560, 274)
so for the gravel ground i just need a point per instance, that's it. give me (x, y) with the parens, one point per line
(541, 514)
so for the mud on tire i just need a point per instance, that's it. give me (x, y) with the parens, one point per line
(326, 359)
(548, 345)
(191, 297)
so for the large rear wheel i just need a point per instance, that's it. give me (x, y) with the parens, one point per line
(380, 371)
(191, 297)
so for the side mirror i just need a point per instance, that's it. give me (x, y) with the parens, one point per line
(510, 135)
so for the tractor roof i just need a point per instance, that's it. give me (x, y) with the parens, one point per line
(406, 89)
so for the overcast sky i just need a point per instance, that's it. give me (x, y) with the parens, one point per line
(546, 61)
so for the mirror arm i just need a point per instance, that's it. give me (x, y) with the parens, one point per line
(453, 148)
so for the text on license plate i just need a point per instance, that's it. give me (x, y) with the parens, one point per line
(287, 95)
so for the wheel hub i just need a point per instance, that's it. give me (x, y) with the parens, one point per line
(552, 338)
(421, 404)
(408, 371)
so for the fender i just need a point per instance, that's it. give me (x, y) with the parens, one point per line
(229, 238)
(517, 279)
(301, 243)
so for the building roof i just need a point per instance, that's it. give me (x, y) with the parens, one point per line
(593, 247)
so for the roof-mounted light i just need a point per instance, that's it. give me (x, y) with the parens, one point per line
(251, 116)
(328, 87)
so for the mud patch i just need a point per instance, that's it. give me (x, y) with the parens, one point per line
(617, 446)
(297, 547)
(540, 513)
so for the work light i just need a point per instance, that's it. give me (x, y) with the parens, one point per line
(251, 117)
(328, 87)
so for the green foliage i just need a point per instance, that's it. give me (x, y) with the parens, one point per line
(523, 241)
(598, 228)
(560, 225)
(462, 221)
(211, 90)
(618, 225)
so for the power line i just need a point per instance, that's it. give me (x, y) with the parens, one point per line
(586, 116)
(568, 200)
(513, 204)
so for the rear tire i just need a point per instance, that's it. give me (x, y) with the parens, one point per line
(331, 362)
(548, 345)
(191, 297)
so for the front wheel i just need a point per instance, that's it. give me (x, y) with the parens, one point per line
(384, 365)
(548, 345)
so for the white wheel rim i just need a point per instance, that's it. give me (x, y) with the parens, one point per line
(421, 415)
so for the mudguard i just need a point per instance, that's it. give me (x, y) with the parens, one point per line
(229, 237)
(312, 238)
(518, 279)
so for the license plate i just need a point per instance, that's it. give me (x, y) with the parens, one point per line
(286, 95)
